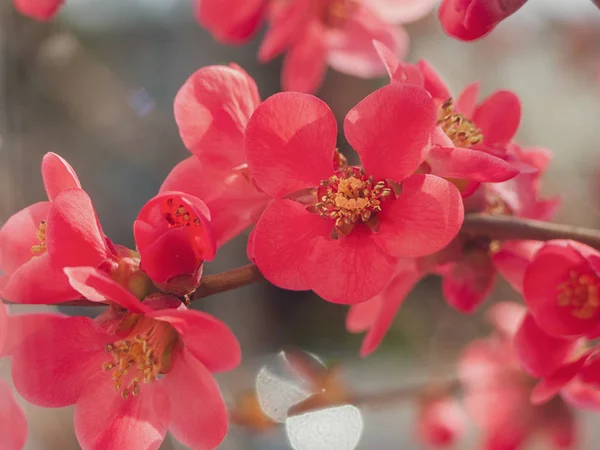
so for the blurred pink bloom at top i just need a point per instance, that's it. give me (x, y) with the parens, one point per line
(497, 391)
(338, 33)
(137, 370)
(174, 237)
(41, 10)
(212, 109)
(340, 230)
(468, 20)
(39, 241)
(231, 21)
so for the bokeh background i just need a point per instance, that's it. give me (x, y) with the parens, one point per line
(97, 86)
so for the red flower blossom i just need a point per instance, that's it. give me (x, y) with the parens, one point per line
(41, 10)
(441, 421)
(469, 145)
(39, 241)
(212, 109)
(231, 21)
(561, 289)
(132, 373)
(497, 392)
(340, 232)
(468, 20)
(174, 237)
(337, 33)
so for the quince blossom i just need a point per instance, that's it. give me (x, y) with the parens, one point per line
(340, 231)
(212, 109)
(39, 241)
(497, 391)
(137, 370)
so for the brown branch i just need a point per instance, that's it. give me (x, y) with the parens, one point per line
(495, 227)
(505, 227)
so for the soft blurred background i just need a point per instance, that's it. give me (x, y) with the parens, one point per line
(97, 86)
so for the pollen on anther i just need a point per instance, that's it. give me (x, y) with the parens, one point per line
(41, 237)
(462, 131)
(580, 293)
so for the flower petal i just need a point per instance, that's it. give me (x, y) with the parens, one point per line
(468, 20)
(549, 268)
(3, 328)
(398, 72)
(19, 234)
(58, 175)
(469, 281)
(230, 21)
(506, 317)
(351, 49)
(391, 130)
(391, 299)
(212, 109)
(350, 269)
(233, 200)
(290, 142)
(282, 242)
(74, 235)
(198, 416)
(41, 10)
(433, 83)
(424, 219)
(361, 316)
(208, 339)
(37, 282)
(469, 164)
(52, 366)
(99, 287)
(498, 117)
(539, 353)
(550, 385)
(512, 260)
(466, 102)
(104, 419)
(21, 326)
(304, 66)
(13, 424)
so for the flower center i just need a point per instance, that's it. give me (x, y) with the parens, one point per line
(462, 131)
(41, 236)
(141, 357)
(496, 206)
(178, 216)
(350, 195)
(580, 292)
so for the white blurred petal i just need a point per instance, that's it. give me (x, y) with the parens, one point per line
(338, 428)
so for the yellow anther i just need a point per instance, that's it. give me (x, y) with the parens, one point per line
(580, 293)
(462, 131)
(41, 236)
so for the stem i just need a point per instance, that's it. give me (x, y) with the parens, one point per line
(506, 227)
(495, 227)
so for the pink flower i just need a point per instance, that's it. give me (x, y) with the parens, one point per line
(468, 20)
(174, 237)
(340, 232)
(441, 421)
(497, 392)
(556, 360)
(132, 373)
(469, 144)
(13, 424)
(212, 109)
(41, 10)
(561, 289)
(337, 33)
(38, 241)
(231, 21)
